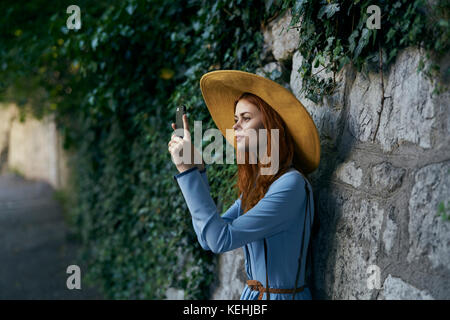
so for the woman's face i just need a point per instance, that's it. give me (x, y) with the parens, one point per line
(247, 118)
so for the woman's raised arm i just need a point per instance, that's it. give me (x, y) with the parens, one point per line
(283, 203)
(229, 215)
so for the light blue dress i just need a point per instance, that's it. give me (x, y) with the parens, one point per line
(278, 217)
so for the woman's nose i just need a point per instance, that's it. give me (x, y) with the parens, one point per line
(237, 124)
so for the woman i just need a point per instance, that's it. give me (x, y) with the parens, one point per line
(273, 215)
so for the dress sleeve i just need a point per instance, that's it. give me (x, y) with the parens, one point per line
(231, 214)
(204, 177)
(275, 212)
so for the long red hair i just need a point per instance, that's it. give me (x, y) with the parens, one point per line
(249, 184)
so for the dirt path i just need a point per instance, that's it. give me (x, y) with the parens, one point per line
(34, 248)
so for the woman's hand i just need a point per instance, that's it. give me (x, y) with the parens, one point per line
(176, 145)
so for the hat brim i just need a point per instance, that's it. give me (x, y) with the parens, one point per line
(221, 88)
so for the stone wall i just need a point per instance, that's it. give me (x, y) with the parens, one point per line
(32, 148)
(385, 164)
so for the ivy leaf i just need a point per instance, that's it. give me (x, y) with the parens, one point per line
(330, 42)
(130, 9)
(337, 50)
(269, 4)
(196, 25)
(351, 40)
(94, 43)
(396, 5)
(374, 33)
(441, 207)
(329, 9)
(275, 74)
(443, 23)
(317, 62)
(390, 34)
(299, 6)
(365, 35)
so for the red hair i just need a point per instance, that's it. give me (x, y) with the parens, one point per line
(249, 184)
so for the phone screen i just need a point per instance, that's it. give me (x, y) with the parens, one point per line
(179, 121)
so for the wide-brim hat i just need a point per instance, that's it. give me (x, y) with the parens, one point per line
(221, 88)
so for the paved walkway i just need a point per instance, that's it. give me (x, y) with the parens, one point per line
(35, 249)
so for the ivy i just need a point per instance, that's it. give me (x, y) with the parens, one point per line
(337, 30)
(443, 211)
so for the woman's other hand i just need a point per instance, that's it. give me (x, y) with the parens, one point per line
(176, 144)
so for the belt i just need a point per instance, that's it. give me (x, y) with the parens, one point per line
(255, 285)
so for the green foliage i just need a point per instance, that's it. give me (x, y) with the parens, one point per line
(132, 213)
(334, 33)
(114, 85)
(443, 211)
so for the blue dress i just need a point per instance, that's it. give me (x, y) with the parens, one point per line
(278, 217)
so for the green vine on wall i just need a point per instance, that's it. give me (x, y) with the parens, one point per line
(335, 33)
(444, 211)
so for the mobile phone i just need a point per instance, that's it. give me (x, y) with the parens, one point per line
(179, 121)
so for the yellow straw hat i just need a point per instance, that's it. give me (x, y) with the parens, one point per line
(221, 88)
